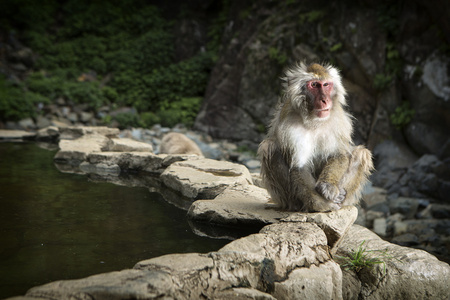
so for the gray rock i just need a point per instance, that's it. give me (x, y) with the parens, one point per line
(73, 132)
(407, 239)
(438, 211)
(127, 145)
(435, 76)
(316, 282)
(7, 134)
(27, 124)
(86, 117)
(287, 260)
(252, 164)
(410, 273)
(77, 151)
(237, 205)
(380, 226)
(405, 206)
(42, 122)
(425, 138)
(204, 178)
(50, 133)
(136, 161)
(257, 263)
(426, 163)
(371, 215)
(424, 228)
(392, 158)
(375, 196)
(60, 123)
(334, 224)
(115, 285)
(100, 169)
(72, 117)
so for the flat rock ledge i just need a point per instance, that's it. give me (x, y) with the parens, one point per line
(294, 255)
(15, 134)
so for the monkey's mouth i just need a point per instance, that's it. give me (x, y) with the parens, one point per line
(323, 113)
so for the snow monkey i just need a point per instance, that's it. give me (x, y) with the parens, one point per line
(178, 143)
(308, 160)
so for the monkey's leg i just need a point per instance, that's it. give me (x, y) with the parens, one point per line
(307, 198)
(275, 173)
(329, 182)
(359, 169)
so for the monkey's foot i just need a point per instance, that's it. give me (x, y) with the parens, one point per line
(331, 192)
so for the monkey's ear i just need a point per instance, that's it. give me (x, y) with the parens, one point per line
(295, 78)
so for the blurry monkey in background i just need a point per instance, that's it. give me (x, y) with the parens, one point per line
(178, 143)
(308, 160)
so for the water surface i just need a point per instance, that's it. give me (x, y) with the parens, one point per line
(57, 226)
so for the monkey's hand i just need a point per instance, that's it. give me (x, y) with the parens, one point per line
(331, 192)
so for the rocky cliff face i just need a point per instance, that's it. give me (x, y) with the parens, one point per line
(394, 59)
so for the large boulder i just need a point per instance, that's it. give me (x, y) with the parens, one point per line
(404, 273)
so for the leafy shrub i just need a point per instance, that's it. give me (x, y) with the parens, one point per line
(402, 115)
(275, 55)
(78, 92)
(182, 111)
(147, 119)
(15, 104)
(382, 82)
(127, 120)
(129, 41)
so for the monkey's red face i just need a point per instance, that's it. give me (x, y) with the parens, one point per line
(320, 92)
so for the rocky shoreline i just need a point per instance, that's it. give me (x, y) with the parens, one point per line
(407, 204)
(287, 257)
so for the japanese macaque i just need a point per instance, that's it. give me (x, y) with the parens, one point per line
(178, 143)
(308, 160)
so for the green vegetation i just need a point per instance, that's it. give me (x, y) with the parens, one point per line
(336, 47)
(402, 115)
(128, 48)
(388, 20)
(276, 56)
(365, 259)
(311, 16)
(16, 104)
(382, 82)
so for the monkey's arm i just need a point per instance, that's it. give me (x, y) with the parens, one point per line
(344, 176)
(306, 198)
(359, 168)
(329, 182)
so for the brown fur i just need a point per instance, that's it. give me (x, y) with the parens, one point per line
(178, 143)
(309, 163)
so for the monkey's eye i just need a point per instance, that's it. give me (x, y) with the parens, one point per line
(326, 84)
(314, 84)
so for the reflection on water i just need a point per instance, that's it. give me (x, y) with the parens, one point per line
(61, 226)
